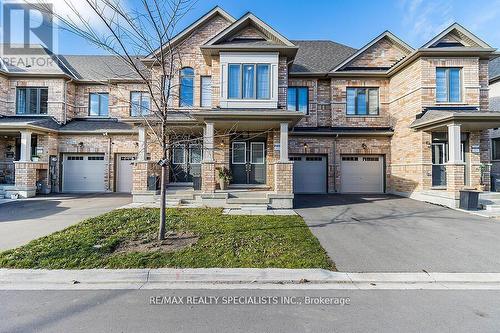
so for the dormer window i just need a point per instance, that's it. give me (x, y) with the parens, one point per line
(249, 81)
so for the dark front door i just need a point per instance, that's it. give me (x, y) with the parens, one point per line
(248, 162)
(186, 164)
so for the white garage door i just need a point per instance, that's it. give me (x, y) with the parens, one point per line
(309, 174)
(124, 164)
(362, 174)
(83, 173)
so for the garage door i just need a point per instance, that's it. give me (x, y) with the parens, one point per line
(83, 173)
(362, 174)
(309, 174)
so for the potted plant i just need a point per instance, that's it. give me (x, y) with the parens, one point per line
(224, 177)
(35, 158)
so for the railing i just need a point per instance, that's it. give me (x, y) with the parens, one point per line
(7, 172)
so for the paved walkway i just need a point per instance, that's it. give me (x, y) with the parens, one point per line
(24, 220)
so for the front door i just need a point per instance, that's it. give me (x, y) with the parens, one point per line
(439, 158)
(186, 164)
(248, 162)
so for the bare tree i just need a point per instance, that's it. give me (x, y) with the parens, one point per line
(132, 34)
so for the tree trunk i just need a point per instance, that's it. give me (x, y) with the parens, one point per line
(163, 202)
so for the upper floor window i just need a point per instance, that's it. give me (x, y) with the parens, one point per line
(168, 90)
(362, 101)
(448, 84)
(186, 93)
(206, 92)
(298, 99)
(140, 104)
(249, 81)
(98, 104)
(32, 100)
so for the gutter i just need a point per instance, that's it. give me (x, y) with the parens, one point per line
(336, 134)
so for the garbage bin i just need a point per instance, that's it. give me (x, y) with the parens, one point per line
(469, 199)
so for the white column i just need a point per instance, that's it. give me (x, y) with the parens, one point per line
(142, 154)
(454, 144)
(25, 146)
(284, 142)
(208, 142)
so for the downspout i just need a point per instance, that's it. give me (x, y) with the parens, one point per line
(109, 161)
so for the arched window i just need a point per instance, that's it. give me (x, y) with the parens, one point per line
(186, 87)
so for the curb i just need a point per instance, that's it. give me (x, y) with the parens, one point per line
(237, 278)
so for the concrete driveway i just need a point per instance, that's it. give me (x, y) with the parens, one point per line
(383, 233)
(24, 220)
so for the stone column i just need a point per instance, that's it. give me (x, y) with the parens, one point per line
(208, 180)
(25, 146)
(284, 142)
(143, 145)
(454, 144)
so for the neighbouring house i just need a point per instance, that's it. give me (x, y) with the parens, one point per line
(494, 93)
(284, 116)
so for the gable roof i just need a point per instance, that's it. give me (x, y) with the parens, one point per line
(461, 31)
(385, 34)
(243, 22)
(319, 56)
(189, 29)
(494, 69)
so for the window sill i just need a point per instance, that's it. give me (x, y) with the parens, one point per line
(450, 103)
(32, 115)
(362, 116)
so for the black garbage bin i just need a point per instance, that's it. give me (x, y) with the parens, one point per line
(469, 199)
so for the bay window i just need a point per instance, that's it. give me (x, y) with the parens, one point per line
(249, 81)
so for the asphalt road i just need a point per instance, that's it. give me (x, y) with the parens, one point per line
(24, 220)
(367, 311)
(384, 233)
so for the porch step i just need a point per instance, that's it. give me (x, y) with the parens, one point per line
(492, 207)
(254, 207)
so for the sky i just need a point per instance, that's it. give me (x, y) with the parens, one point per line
(353, 23)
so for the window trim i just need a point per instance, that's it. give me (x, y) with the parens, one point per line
(263, 152)
(255, 82)
(232, 154)
(183, 147)
(448, 82)
(99, 104)
(296, 88)
(38, 102)
(201, 91)
(191, 146)
(140, 104)
(367, 89)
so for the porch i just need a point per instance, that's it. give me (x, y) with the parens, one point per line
(455, 153)
(249, 147)
(24, 163)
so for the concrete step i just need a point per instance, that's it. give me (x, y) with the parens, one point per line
(492, 207)
(252, 201)
(253, 207)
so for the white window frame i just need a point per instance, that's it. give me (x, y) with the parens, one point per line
(263, 152)
(232, 155)
(183, 154)
(189, 153)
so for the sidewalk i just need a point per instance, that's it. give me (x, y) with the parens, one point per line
(238, 278)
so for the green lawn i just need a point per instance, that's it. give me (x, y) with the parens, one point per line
(224, 241)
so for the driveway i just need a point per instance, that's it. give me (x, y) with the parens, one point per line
(24, 220)
(383, 233)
